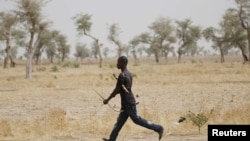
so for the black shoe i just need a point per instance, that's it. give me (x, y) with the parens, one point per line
(104, 139)
(161, 133)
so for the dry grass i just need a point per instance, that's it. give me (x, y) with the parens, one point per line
(62, 105)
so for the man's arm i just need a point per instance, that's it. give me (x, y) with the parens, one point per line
(117, 89)
(113, 94)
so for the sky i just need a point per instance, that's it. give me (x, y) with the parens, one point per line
(132, 16)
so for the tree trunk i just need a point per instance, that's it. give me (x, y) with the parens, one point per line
(51, 58)
(6, 59)
(30, 55)
(63, 55)
(7, 51)
(166, 54)
(222, 60)
(12, 63)
(37, 59)
(134, 54)
(245, 59)
(119, 51)
(98, 48)
(99, 53)
(8, 55)
(156, 56)
(247, 28)
(31, 50)
(100, 62)
(248, 36)
(29, 67)
(179, 55)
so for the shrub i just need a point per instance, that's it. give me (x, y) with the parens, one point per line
(136, 63)
(54, 69)
(112, 66)
(199, 119)
(69, 65)
(41, 69)
(76, 65)
(66, 64)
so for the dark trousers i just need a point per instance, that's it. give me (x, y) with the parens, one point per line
(130, 111)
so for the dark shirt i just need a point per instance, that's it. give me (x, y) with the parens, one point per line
(125, 78)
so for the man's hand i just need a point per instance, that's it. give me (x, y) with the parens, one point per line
(105, 101)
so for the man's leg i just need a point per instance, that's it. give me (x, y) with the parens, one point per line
(132, 112)
(122, 118)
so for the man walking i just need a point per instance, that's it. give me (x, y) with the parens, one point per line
(128, 103)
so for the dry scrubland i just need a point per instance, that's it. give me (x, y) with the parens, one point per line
(63, 106)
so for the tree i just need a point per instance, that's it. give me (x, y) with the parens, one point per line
(8, 21)
(148, 39)
(82, 51)
(55, 44)
(163, 37)
(30, 14)
(52, 45)
(134, 43)
(83, 25)
(234, 33)
(113, 36)
(159, 39)
(218, 39)
(244, 15)
(105, 52)
(62, 47)
(94, 49)
(44, 42)
(166, 49)
(188, 35)
(142, 39)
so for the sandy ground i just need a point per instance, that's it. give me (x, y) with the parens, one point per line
(63, 106)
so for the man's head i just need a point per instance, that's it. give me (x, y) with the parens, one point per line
(122, 62)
